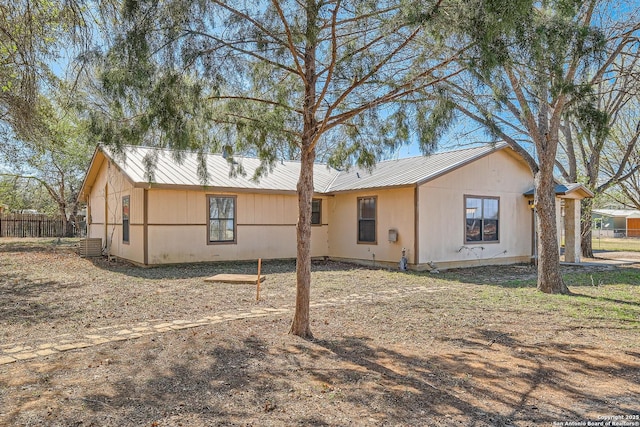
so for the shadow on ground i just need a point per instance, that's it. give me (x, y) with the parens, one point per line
(494, 380)
(21, 299)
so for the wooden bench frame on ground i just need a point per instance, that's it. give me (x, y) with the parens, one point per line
(249, 279)
(241, 278)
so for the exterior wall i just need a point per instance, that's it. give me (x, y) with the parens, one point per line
(441, 210)
(105, 211)
(265, 226)
(611, 223)
(620, 224)
(605, 226)
(394, 210)
(178, 221)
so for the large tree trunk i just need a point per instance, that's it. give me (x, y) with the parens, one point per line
(549, 277)
(585, 229)
(300, 324)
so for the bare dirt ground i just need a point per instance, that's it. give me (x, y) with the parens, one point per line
(473, 347)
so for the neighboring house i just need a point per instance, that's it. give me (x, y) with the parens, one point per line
(616, 222)
(458, 208)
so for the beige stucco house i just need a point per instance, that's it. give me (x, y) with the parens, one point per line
(458, 208)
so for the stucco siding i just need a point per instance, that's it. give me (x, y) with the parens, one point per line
(441, 210)
(105, 210)
(177, 220)
(265, 226)
(394, 210)
(176, 207)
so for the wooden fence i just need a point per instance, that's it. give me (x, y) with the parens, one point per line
(34, 225)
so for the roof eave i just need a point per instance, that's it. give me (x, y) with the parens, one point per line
(92, 171)
(580, 190)
(377, 188)
(213, 188)
(89, 178)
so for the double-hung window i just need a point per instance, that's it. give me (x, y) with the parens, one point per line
(367, 219)
(222, 219)
(482, 218)
(316, 212)
(126, 201)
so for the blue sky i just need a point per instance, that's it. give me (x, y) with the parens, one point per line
(464, 134)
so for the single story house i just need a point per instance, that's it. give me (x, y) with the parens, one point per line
(458, 208)
(616, 222)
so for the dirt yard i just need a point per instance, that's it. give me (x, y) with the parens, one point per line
(95, 343)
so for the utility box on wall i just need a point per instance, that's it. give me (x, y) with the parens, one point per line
(393, 235)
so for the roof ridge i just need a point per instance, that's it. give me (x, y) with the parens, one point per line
(496, 145)
(193, 151)
(335, 177)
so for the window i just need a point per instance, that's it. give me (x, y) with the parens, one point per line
(125, 219)
(482, 217)
(366, 220)
(316, 212)
(222, 219)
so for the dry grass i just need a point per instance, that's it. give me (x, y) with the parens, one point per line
(477, 347)
(631, 244)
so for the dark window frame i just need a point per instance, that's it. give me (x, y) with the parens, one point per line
(374, 220)
(235, 219)
(126, 219)
(318, 221)
(482, 220)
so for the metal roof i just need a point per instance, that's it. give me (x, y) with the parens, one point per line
(180, 169)
(564, 189)
(617, 212)
(409, 171)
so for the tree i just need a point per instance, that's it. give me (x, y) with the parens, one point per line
(602, 155)
(599, 133)
(33, 33)
(37, 38)
(280, 77)
(526, 73)
(626, 189)
(18, 194)
(56, 157)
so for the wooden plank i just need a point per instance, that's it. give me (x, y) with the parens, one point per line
(235, 278)
(258, 280)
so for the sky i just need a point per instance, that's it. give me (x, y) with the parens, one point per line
(464, 134)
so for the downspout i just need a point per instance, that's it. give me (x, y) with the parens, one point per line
(145, 226)
(416, 226)
(107, 246)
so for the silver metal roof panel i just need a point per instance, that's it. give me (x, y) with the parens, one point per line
(181, 169)
(409, 171)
